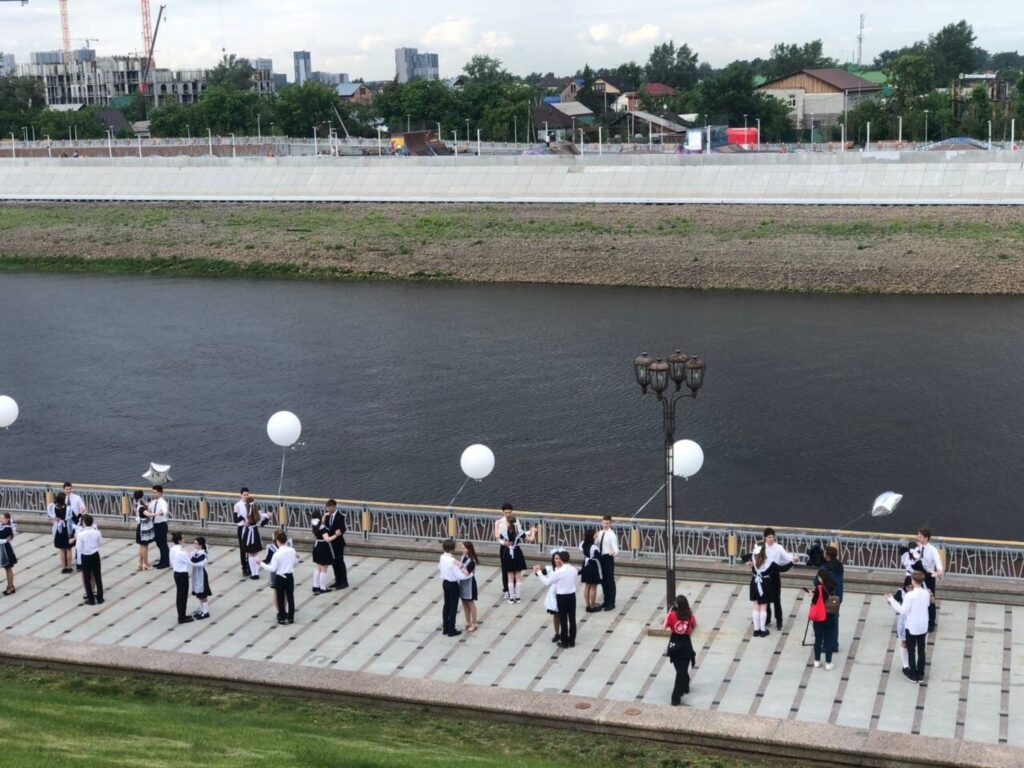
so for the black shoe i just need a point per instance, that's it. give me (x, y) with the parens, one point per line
(159, 567)
(186, 620)
(291, 621)
(778, 627)
(564, 645)
(555, 639)
(455, 633)
(765, 633)
(99, 600)
(909, 675)
(607, 607)
(676, 702)
(90, 601)
(281, 621)
(336, 585)
(66, 570)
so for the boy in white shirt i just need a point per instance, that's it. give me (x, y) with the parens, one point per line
(563, 579)
(915, 608)
(931, 562)
(450, 572)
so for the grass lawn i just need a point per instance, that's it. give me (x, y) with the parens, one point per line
(71, 720)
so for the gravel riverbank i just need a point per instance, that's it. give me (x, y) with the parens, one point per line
(846, 249)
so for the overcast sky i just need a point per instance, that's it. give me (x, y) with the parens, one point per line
(360, 38)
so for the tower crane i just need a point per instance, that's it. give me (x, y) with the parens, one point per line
(87, 40)
(65, 32)
(149, 52)
(147, 33)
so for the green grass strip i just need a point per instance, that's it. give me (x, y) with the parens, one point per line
(77, 720)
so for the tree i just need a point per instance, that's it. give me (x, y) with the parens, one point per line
(631, 73)
(1008, 60)
(232, 72)
(485, 69)
(225, 110)
(729, 95)
(788, 58)
(21, 101)
(953, 51)
(301, 108)
(170, 120)
(912, 75)
(672, 66)
(977, 113)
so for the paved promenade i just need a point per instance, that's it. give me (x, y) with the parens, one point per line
(388, 624)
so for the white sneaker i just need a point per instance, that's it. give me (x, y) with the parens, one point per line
(828, 665)
(817, 664)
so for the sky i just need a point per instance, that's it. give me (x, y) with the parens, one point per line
(360, 38)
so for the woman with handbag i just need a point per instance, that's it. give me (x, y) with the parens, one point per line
(821, 619)
(834, 566)
(682, 622)
(144, 530)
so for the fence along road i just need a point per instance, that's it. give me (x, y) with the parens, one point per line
(643, 538)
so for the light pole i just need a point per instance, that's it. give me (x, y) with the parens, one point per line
(24, 133)
(744, 126)
(439, 132)
(455, 142)
(467, 131)
(14, 152)
(233, 145)
(259, 128)
(380, 150)
(408, 123)
(515, 131)
(990, 135)
(926, 126)
(188, 132)
(209, 140)
(49, 146)
(657, 375)
(758, 119)
(546, 132)
(110, 143)
(899, 139)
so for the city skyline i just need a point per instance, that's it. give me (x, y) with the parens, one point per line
(196, 32)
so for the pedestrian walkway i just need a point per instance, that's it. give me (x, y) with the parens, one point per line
(388, 623)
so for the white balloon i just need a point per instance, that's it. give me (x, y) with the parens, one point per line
(885, 504)
(687, 458)
(284, 428)
(8, 411)
(477, 461)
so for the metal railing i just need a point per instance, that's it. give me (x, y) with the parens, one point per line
(642, 538)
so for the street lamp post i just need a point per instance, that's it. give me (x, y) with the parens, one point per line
(515, 131)
(259, 128)
(744, 126)
(188, 132)
(408, 123)
(455, 142)
(657, 375)
(209, 140)
(110, 142)
(926, 126)
(467, 131)
(758, 119)
(899, 139)
(14, 152)
(990, 135)
(233, 145)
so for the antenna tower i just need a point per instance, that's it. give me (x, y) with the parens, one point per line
(860, 39)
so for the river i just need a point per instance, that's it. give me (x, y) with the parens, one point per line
(813, 404)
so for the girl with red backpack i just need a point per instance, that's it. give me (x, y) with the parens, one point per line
(821, 619)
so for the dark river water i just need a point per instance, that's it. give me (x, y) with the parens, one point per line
(812, 405)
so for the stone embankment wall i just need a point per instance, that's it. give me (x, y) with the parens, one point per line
(976, 178)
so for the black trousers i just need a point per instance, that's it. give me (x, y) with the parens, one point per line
(243, 556)
(340, 571)
(776, 582)
(929, 581)
(181, 584)
(504, 570)
(90, 572)
(682, 684)
(608, 580)
(284, 589)
(450, 609)
(160, 537)
(567, 618)
(915, 653)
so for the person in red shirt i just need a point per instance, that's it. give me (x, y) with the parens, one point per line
(681, 622)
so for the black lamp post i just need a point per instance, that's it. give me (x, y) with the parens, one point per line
(657, 376)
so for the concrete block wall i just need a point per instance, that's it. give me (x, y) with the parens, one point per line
(854, 178)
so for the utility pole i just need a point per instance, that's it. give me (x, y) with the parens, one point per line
(860, 40)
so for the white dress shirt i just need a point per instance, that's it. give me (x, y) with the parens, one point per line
(74, 504)
(915, 608)
(501, 528)
(241, 513)
(563, 579)
(159, 508)
(777, 554)
(608, 542)
(181, 561)
(930, 560)
(282, 562)
(88, 540)
(449, 569)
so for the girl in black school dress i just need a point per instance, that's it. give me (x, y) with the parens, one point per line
(201, 578)
(145, 532)
(590, 573)
(7, 557)
(63, 531)
(512, 553)
(251, 541)
(323, 555)
(467, 587)
(761, 594)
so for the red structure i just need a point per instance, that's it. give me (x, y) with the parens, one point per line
(742, 136)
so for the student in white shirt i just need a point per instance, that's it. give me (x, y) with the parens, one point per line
(500, 534)
(563, 578)
(201, 578)
(282, 565)
(87, 547)
(915, 608)
(181, 562)
(161, 514)
(74, 502)
(241, 513)
(608, 545)
(777, 554)
(931, 562)
(63, 531)
(451, 574)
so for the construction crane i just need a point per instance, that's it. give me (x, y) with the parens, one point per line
(149, 51)
(88, 40)
(65, 32)
(147, 32)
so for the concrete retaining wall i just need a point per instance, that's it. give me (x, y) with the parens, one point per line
(975, 178)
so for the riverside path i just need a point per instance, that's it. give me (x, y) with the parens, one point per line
(387, 625)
